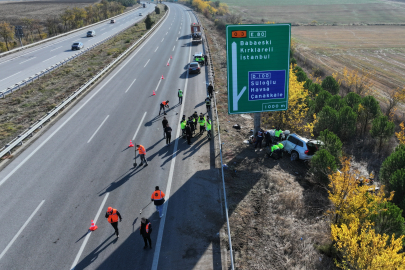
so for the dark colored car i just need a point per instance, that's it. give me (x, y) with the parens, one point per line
(194, 67)
(91, 33)
(77, 46)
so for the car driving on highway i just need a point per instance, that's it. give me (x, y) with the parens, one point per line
(194, 67)
(140, 13)
(112, 21)
(77, 46)
(91, 33)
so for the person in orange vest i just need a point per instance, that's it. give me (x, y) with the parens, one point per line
(158, 197)
(146, 230)
(112, 216)
(163, 105)
(142, 153)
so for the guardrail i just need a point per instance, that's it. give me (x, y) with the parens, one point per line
(211, 76)
(30, 79)
(64, 34)
(28, 133)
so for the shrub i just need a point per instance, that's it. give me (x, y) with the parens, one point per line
(321, 100)
(392, 163)
(347, 120)
(327, 119)
(307, 84)
(335, 102)
(331, 143)
(397, 184)
(352, 100)
(315, 89)
(382, 129)
(220, 24)
(157, 10)
(149, 22)
(323, 164)
(388, 220)
(330, 85)
(293, 61)
(301, 76)
(166, 8)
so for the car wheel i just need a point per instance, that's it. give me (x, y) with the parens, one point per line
(294, 156)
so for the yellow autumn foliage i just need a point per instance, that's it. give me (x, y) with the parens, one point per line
(401, 135)
(295, 118)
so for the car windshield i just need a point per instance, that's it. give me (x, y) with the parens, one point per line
(193, 65)
(75, 44)
(89, 32)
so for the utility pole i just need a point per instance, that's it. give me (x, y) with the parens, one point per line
(257, 118)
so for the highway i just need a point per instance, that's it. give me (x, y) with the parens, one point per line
(19, 66)
(82, 164)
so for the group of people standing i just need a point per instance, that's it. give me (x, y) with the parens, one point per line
(276, 148)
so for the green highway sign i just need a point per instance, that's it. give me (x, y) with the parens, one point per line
(258, 57)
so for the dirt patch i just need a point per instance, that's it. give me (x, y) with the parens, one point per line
(24, 107)
(276, 214)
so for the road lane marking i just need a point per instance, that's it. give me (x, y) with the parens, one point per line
(174, 47)
(140, 124)
(56, 48)
(169, 184)
(177, 39)
(179, 32)
(146, 63)
(21, 229)
(97, 129)
(81, 107)
(130, 86)
(89, 233)
(27, 60)
(162, 39)
(166, 33)
(102, 33)
(156, 48)
(160, 80)
(10, 76)
(49, 59)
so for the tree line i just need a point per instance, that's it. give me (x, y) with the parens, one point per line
(70, 19)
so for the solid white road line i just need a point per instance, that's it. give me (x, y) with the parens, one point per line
(97, 129)
(10, 76)
(21, 229)
(89, 233)
(156, 48)
(49, 59)
(169, 184)
(55, 48)
(70, 117)
(163, 39)
(174, 47)
(130, 86)
(140, 124)
(27, 60)
(146, 63)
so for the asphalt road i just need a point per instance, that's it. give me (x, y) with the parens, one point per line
(82, 164)
(21, 65)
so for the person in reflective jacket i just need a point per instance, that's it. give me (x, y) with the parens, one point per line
(112, 216)
(146, 230)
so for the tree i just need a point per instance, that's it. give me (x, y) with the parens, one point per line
(327, 119)
(395, 96)
(331, 143)
(322, 165)
(359, 83)
(347, 120)
(166, 8)
(7, 33)
(301, 76)
(314, 89)
(397, 184)
(157, 10)
(388, 220)
(295, 117)
(149, 22)
(382, 129)
(368, 109)
(27, 22)
(352, 100)
(330, 85)
(335, 102)
(321, 99)
(391, 164)
(401, 135)
(363, 248)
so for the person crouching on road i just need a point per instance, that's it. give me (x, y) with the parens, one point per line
(280, 149)
(158, 198)
(142, 154)
(146, 230)
(163, 105)
(112, 216)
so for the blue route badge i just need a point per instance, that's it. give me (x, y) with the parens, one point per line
(265, 85)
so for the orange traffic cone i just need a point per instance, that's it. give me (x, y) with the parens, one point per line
(154, 94)
(162, 77)
(93, 227)
(168, 63)
(171, 57)
(130, 144)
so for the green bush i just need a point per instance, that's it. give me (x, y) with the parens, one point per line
(397, 184)
(307, 84)
(352, 100)
(332, 144)
(321, 100)
(220, 24)
(391, 164)
(335, 102)
(314, 89)
(382, 129)
(323, 164)
(157, 10)
(301, 76)
(347, 120)
(389, 220)
(293, 61)
(166, 8)
(330, 85)
(149, 22)
(327, 119)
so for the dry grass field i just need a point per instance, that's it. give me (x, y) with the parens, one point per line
(378, 49)
(13, 12)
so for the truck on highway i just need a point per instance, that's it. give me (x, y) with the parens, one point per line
(144, 5)
(196, 33)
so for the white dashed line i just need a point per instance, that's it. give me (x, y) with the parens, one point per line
(162, 39)
(49, 59)
(174, 47)
(55, 49)
(146, 63)
(97, 129)
(27, 60)
(10, 76)
(130, 86)
(156, 48)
